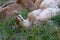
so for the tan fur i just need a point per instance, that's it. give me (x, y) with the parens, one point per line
(37, 4)
(26, 3)
(9, 9)
(12, 7)
(31, 16)
(43, 16)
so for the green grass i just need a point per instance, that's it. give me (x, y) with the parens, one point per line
(24, 13)
(2, 2)
(56, 19)
(37, 32)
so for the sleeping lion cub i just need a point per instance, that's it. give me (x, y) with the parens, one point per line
(47, 10)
